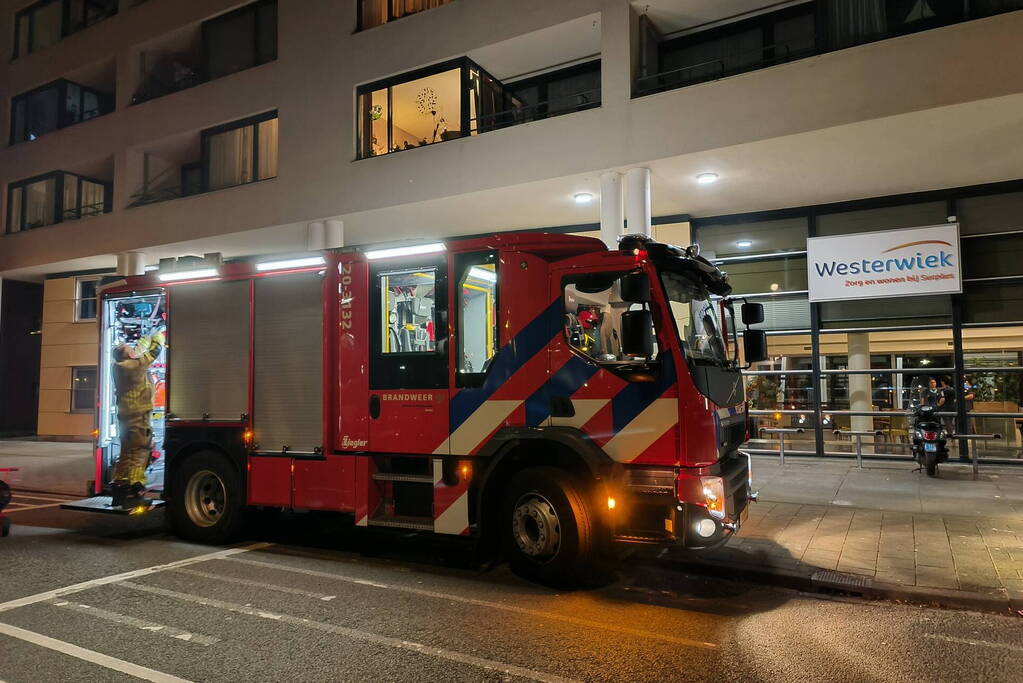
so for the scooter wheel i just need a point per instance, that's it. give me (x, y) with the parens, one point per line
(6, 531)
(931, 464)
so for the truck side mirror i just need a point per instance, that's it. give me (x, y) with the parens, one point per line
(752, 314)
(754, 345)
(635, 288)
(638, 333)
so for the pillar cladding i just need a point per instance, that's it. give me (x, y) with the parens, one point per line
(131, 263)
(612, 209)
(859, 385)
(637, 201)
(316, 238)
(334, 234)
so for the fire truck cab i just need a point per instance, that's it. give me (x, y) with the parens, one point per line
(536, 390)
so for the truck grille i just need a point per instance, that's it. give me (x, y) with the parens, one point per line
(732, 435)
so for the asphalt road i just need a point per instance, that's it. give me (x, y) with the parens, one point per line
(313, 601)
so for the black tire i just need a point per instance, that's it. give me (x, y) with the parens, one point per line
(931, 464)
(539, 505)
(207, 502)
(5, 531)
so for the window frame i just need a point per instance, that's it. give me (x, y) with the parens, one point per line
(206, 43)
(204, 145)
(104, 100)
(72, 408)
(542, 85)
(390, 16)
(60, 211)
(462, 264)
(409, 370)
(79, 298)
(65, 22)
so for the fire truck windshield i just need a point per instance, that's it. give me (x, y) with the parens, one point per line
(696, 320)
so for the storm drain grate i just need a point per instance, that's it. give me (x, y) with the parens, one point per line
(840, 581)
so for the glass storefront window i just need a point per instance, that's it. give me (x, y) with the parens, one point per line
(993, 302)
(733, 240)
(993, 256)
(990, 213)
(886, 218)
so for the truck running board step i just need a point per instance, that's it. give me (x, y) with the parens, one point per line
(415, 523)
(103, 504)
(414, 478)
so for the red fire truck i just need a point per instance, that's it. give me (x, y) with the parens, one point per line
(536, 390)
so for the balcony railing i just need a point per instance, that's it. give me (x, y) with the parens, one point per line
(720, 67)
(567, 104)
(827, 33)
(85, 211)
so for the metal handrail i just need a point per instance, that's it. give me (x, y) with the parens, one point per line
(85, 211)
(859, 434)
(975, 437)
(719, 62)
(781, 431)
(889, 371)
(514, 113)
(752, 373)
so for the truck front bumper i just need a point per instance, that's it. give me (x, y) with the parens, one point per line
(697, 508)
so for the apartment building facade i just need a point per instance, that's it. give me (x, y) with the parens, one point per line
(189, 127)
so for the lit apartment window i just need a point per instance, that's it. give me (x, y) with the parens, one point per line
(53, 198)
(83, 389)
(85, 298)
(240, 39)
(459, 98)
(47, 22)
(55, 105)
(376, 12)
(240, 152)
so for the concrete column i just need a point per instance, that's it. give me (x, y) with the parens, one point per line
(131, 263)
(619, 52)
(859, 385)
(612, 209)
(637, 201)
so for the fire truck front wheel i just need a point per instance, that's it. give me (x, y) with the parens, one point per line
(206, 502)
(547, 528)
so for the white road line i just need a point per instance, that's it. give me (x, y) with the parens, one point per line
(105, 580)
(141, 624)
(18, 495)
(579, 621)
(969, 641)
(33, 507)
(258, 584)
(89, 655)
(355, 634)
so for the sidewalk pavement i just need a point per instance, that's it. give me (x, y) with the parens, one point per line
(888, 531)
(48, 466)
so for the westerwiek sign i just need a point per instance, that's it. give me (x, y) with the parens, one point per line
(869, 265)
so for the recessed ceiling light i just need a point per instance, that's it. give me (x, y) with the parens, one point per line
(743, 244)
(706, 178)
(582, 197)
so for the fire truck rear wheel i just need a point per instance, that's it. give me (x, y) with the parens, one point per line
(547, 528)
(206, 504)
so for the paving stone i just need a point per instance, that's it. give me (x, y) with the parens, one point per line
(905, 578)
(934, 577)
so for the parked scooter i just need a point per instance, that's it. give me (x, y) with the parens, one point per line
(930, 440)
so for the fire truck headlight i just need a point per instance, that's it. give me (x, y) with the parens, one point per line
(706, 527)
(714, 495)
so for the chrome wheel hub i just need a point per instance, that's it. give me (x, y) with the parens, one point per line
(205, 498)
(536, 527)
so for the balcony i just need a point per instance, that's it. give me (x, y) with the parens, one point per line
(459, 99)
(233, 154)
(48, 22)
(719, 50)
(221, 46)
(59, 196)
(65, 102)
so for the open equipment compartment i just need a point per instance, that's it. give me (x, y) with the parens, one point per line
(126, 319)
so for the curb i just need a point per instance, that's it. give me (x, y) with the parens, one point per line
(838, 583)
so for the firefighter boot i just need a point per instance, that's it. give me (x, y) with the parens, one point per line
(119, 490)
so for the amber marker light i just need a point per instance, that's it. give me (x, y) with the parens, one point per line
(611, 503)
